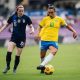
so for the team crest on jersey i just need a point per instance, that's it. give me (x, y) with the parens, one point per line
(23, 20)
(19, 20)
(51, 24)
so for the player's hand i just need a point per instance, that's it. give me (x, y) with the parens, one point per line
(31, 32)
(37, 37)
(74, 34)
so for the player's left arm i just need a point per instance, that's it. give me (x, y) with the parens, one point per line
(69, 28)
(30, 25)
(72, 30)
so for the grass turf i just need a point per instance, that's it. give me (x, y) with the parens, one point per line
(66, 64)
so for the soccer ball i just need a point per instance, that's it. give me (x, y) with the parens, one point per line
(49, 69)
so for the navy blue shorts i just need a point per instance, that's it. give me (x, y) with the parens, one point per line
(20, 42)
(44, 45)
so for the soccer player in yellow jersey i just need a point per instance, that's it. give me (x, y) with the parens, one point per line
(48, 33)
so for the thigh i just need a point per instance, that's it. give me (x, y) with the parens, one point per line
(18, 51)
(53, 47)
(54, 44)
(11, 46)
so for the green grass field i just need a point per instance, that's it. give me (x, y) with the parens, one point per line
(66, 64)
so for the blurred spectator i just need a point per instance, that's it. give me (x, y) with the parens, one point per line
(2, 2)
(69, 19)
(3, 9)
(18, 2)
(77, 6)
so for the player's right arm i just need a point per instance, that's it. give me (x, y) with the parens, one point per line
(39, 29)
(41, 25)
(2, 28)
(9, 21)
(37, 36)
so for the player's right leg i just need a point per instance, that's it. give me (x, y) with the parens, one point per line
(42, 56)
(11, 46)
(43, 50)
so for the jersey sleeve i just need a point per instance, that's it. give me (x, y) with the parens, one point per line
(29, 21)
(63, 23)
(9, 20)
(42, 23)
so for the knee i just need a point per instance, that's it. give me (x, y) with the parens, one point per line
(18, 53)
(54, 52)
(10, 49)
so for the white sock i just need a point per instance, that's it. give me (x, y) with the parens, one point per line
(47, 59)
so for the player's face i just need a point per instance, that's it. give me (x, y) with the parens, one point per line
(20, 11)
(51, 12)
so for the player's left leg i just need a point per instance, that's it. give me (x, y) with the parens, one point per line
(51, 55)
(17, 58)
(20, 43)
(48, 58)
(53, 47)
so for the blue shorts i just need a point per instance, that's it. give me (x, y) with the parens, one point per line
(44, 45)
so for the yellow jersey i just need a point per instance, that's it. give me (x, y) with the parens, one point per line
(50, 28)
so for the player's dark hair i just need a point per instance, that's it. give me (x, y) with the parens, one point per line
(51, 7)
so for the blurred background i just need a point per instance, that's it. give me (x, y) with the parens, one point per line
(36, 10)
(66, 61)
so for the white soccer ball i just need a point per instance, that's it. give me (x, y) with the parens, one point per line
(49, 69)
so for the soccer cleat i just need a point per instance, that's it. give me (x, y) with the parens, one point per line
(6, 70)
(41, 67)
(42, 71)
(14, 71)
